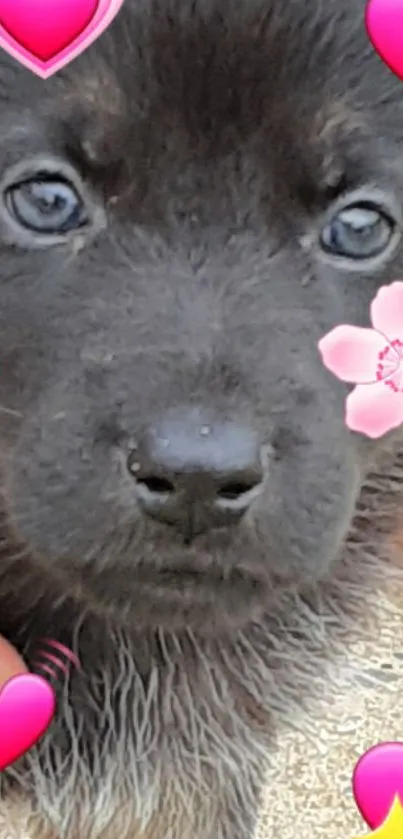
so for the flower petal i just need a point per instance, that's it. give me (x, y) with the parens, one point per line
(374, 409)
(387, 311)
(352, 354)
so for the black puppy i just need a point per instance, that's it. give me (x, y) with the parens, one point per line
(184, 212)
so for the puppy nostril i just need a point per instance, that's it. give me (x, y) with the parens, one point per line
(230, 492)
(156, 485)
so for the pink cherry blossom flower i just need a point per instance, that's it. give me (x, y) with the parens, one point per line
(372, 359)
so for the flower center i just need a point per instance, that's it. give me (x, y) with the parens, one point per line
(387, 371)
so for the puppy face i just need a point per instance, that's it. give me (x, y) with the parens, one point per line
(185, 212)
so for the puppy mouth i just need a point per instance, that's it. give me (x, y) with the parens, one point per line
(171, 576)
(192, 534)
(215, 558)
(179, 577)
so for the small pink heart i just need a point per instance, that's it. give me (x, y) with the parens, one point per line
(377, 780)
(45, 35)
(384, 22)
(27, 707)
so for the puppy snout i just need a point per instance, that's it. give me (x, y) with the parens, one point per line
(196, 475)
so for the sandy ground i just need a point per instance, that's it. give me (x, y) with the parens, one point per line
(309, 793)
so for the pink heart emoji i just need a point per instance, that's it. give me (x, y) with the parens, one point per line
(384, 22)
(377, 780)
(27, 707)
(45, 35)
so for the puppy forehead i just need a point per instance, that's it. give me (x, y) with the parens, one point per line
(211, 70)
(201, 75)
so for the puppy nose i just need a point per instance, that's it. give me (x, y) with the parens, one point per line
(196, 476)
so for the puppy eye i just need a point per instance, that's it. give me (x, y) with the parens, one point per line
(46, 205)
(358, 232)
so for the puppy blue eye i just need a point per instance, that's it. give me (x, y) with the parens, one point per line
(46, 205)
(357, 232)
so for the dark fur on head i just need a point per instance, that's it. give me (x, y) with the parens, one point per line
(210, 141)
